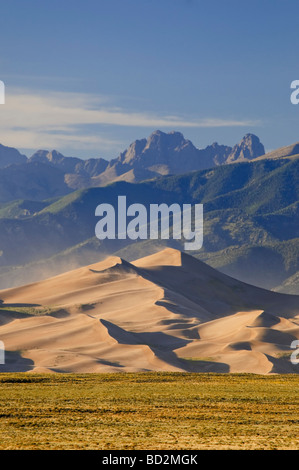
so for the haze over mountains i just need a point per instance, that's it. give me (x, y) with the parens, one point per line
(167, 311)
(250, 199)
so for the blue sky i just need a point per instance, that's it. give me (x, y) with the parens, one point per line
(89, 77)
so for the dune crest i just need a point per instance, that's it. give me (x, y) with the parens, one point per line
(168, 311)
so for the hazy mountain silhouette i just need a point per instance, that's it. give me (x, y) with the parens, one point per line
(10, 156)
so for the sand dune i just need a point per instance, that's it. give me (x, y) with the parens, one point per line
(167, 311)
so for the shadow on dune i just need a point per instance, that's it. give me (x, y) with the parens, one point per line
(170, 306)
(283, 365)
(216, 292)
(266, 320)
(14, 362)
(163, 347)
(156, 339)
(280, 338)
(109, 363)
(161, 344)
(197, 365)
(61, 313)
(7, 316)
(198, 291)
(241, 346)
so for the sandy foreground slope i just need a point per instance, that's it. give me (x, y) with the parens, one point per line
(166, 312)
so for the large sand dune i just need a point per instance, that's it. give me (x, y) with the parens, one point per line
(167, 311)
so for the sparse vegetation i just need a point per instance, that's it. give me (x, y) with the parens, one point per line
(35, 311)
(149, 411)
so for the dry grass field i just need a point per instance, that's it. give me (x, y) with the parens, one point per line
(145, 411)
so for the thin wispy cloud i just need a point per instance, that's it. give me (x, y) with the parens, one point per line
(65, 120)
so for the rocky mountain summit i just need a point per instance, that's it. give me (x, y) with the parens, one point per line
(170, 153)
(159, 155)
(249, 148)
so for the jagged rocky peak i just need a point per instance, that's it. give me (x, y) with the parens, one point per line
(249, 148)
(171, 139)
(135, 148)
(55, 156)
(56, 159)
(46, 156)
(217, 154)
(39, 156)
(159, 148)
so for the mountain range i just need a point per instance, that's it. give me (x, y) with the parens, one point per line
(48, 174)
(250, 200)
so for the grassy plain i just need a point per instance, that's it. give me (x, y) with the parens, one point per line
(149, 411)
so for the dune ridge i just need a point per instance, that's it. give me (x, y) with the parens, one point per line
(165, 312)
